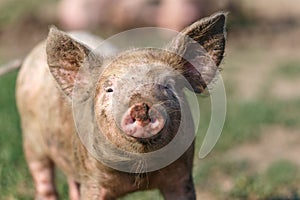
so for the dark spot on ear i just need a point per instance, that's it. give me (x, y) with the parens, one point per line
(103, 113)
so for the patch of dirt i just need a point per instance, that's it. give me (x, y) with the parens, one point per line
(251, 59)
(205, 195)
(276, 143)
(286, 89)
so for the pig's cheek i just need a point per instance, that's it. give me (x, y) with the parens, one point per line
(106, 104)
(102, 109)
(106, 100)
(102, 103)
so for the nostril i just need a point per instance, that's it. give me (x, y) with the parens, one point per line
(152, 120)
(140, 112)
(146, 107)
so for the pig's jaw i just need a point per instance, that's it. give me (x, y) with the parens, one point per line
(146, 127)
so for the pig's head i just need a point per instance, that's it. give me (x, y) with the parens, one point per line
(138, 95)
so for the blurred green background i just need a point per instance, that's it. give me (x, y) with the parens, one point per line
(257, 156)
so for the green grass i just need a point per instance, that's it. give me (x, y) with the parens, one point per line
(244, 120)
(290, 69)
(279, 180)
(15, 180)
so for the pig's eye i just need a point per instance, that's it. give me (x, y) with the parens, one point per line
(169, 84)
(109, 90)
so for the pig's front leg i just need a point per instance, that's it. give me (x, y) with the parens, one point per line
(92, 191)
(43, 175)
(73, 189)
(181, 190)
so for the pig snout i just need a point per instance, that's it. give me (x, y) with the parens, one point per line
(142, 121)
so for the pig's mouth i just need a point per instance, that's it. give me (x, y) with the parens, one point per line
(142, 121)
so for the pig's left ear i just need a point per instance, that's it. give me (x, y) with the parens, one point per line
(201, 50)
(65, 56)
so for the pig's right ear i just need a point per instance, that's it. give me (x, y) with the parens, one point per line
(65, 56)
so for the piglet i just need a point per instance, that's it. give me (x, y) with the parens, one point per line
(124, 134)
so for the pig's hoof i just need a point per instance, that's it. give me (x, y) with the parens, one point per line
(142, 121)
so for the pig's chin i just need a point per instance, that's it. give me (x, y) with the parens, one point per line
(142, 129)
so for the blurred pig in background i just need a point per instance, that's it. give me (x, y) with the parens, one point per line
(124, 14)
